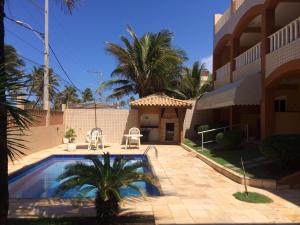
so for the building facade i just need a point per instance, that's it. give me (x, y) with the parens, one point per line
(256, 67)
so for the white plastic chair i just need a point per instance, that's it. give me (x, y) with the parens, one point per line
(94, 138)
(134, 137)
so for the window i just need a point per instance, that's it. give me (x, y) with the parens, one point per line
(280, 104)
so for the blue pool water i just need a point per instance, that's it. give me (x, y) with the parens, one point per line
(40, 180)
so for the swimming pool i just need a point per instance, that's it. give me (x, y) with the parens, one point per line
(40, 179)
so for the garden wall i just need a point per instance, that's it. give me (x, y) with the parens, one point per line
(194, 117)
(39, 136)
(113, 122)
(42, 137)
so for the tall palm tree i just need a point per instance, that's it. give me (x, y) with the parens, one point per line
(104, 178)
(87, 95)
(36, 84)
(14, 64)
(69, 95)
(190, 84)
(146, 65)
(7, 106)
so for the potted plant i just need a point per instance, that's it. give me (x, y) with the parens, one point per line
(71, 135)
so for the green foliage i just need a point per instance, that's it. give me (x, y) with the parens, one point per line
(14, 64)
(207, 87)
(87, 95)
(35, 84)
(106, 179)
(210, 135)
(190, 83)
(284, 148)
(17, 118)
(146, 65)
(68, 95)
(230, 140)
(252, 197)
(71, 135)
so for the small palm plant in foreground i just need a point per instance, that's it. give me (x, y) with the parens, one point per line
(106, 178)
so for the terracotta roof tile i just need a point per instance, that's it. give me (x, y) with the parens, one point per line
(161, 100)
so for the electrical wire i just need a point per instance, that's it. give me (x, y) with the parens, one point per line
(24, 41)
(40, 65)
(61, 66)
(51, 49)
(36, 5)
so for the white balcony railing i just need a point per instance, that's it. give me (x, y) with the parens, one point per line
(250, 56)
(223, 73)
(285, 35)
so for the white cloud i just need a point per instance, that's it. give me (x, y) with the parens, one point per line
(208, 62)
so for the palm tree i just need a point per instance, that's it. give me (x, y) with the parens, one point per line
(146, 65)
(36, 84)
(105, 179)
(190, 84)
(7, 106)
(87, 95)
(14, 64)
(69, 95)
(58, 101)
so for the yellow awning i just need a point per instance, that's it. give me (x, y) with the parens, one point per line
(246, 91)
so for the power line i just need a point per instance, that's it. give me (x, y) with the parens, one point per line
(51, 49)
(24, 41)
(62, 68)
(36, 5)
(40, 65)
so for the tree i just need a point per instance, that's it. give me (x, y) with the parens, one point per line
(14, 64)
(146, 65)
(69, 95)
(87, 95)
(122, 103)
(36, 84)
(104, 178)
(58, 101)
(190, 85)
(7, 107)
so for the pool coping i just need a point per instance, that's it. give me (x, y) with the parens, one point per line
(232, 175)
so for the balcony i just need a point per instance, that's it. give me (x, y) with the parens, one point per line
(284, 46)
(226, 16)
(222, 76)
(226, 23)
(248, 63)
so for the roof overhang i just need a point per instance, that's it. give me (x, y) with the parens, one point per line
(161, 101)
(246, 91)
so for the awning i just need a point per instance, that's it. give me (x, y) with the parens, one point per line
(246, 91)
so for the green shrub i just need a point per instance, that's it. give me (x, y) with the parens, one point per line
(71, 135)
(284, 148)
(230, 139)
(210, 135)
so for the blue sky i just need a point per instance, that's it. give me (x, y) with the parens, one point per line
(79, 39)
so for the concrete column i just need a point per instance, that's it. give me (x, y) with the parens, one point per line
(268, 25)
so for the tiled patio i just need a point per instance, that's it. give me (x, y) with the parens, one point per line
(193, 193)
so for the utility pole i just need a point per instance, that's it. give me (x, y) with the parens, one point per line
(100, 82)
(100, 92)
(46, 104)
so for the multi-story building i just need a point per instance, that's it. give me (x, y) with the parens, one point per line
(256, 66)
